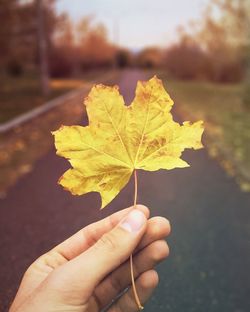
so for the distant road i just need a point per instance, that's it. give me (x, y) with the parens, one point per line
(208, 269)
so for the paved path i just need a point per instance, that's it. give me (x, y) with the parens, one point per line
(209, 266)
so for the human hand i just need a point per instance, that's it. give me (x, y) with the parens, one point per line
(90, 269)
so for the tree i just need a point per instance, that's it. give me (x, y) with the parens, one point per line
(7, 16)
(64, 59)
(26, 32)
(93, 44)
(150, 57)
(216, 49)
(187, 60)
(224, 35)
(42, 48)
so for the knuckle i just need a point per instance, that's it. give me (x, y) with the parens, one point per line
(150, 283)
(40, 263)
(160, 251)
(90, 235)
(155, 231)
(161, 227)
(107, 242)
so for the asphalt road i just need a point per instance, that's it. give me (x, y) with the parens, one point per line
(209, 266)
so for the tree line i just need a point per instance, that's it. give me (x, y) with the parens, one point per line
(216, 48)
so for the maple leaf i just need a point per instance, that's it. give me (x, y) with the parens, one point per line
(120, 139)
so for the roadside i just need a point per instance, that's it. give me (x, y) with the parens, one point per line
(21, 94)
(23, 145)
(209, 217)
(227, 122)
(227, 126)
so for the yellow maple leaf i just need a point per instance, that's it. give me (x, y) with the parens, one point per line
(120, 139)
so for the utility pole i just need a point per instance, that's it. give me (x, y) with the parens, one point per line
(116, 31)
(42, 49)
(116, 35)
(246, 95)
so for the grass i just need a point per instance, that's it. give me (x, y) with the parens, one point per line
(227, 122)
(21, 94)
(22, 146)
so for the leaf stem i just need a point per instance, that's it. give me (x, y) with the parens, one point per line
(137, 300)
(136, 187)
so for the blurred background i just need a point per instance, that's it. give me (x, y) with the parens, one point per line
(51, 53)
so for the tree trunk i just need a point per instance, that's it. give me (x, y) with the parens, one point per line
(42, 50)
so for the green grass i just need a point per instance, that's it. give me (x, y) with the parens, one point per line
(227, 121)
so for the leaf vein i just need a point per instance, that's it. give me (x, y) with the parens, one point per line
(116, 130)
(101, 152)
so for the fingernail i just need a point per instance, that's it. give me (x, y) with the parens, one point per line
(134, 221)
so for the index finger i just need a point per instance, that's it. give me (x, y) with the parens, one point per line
(88, 236)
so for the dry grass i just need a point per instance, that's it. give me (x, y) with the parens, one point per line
(21, 94)
(227, 122)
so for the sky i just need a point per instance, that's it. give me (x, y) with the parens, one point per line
(138, 23)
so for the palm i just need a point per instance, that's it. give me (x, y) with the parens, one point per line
(51, 268)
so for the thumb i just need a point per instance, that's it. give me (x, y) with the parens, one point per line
(112, 249)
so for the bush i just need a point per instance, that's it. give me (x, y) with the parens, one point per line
(186, 61)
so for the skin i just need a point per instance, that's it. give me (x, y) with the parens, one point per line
(91, 268)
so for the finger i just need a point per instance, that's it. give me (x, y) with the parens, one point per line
(145, 285)
(157, 228)
(88, 236)
(120, 279)
(114, 247)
